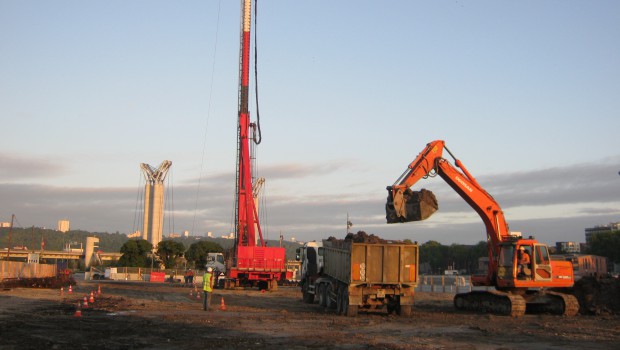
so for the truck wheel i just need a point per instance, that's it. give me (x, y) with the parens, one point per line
(352, 310)
(343, 304)
(263, 285)
(321, 291)
(329, 291)
(340, 307)
(404, 310)
(307, 297)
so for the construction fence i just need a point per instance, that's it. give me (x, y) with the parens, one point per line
(142, 274)
(18, 269)
(452, 284)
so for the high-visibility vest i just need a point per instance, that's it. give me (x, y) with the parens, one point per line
(207, 282)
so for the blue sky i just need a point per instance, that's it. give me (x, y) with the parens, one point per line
(526, 94)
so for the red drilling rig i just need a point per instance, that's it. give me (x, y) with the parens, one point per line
(252, 263)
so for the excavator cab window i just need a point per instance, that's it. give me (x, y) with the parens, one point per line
(542, 255)
(506, 262)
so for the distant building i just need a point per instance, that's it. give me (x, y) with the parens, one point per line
(186, 233)
(5, 224)
(567, 247)
(64, 225)
(585, 264)
(230, 236)
(174, 235)
(592, 231)
(210, 234)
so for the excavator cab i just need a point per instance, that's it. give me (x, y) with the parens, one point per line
(511, 263)
(405, 205)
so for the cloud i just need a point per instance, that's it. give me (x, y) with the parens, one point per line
(580, 183)
(14, 168)
(554, 204)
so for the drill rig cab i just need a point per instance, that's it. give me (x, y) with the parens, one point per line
(517, 284)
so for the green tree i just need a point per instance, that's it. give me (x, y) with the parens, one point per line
(457, 256)
(198, 252)
(135, 253)
(168, 251)
(434, 253)
(606, 244)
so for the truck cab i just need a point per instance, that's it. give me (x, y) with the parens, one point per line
(311, 261)
(216, 261)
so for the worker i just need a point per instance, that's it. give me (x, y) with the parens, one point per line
(524, 261)
(186, 276)
(191, 276)
(207, 287)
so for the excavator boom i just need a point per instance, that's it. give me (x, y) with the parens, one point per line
(405, 205)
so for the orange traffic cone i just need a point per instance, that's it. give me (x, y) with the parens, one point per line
(70, 289)
(197, 295)
(62, 290)
(85, 301)
(222, 305)
(78, 311)
(191, 294)
(92, 298)
(98, 289)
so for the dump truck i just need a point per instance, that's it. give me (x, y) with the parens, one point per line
(349, 276)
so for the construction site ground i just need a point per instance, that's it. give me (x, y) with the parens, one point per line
(138, 315)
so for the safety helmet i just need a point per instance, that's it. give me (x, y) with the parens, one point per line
(521, 248)
(209, 269)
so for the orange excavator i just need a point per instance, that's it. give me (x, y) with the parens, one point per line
(534, 284)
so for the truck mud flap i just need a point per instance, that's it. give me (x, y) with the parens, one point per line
(410, 206)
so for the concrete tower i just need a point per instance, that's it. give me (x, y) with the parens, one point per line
(154, 201)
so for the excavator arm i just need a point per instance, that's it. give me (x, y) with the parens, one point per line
(404, 205)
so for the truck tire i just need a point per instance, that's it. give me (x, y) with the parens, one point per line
(322, 292)
(344, 308)
(329, 302)
(307, 297)
(404, 310)
(340, 307)
(352, 310)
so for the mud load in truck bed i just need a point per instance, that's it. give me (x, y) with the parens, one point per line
(410, 205)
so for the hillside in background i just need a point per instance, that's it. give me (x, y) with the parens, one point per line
(33, 238)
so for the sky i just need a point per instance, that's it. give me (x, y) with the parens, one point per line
(526, 94)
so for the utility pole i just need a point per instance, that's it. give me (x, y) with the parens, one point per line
(349, 223)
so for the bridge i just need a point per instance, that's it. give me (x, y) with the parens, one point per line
(54, 254)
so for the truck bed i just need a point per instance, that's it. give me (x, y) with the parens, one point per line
(371, 263)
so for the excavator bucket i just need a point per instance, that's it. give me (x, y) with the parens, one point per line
(408, 205)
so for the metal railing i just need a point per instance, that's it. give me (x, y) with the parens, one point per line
(452, 284)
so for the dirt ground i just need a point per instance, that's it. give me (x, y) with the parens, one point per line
(136, 315)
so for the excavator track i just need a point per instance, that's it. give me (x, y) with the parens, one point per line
(493, 302)
(554, 303)
(571, 304)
